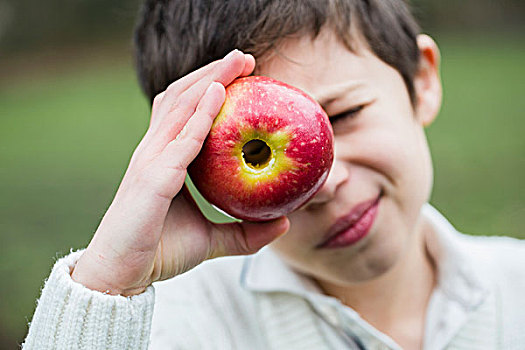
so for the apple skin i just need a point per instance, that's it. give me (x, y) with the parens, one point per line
(300, 139)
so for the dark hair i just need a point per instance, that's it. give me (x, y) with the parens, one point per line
(175, 37)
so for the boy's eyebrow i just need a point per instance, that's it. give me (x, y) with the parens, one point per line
(333, 92)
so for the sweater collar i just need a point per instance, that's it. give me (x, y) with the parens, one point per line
(458, 279)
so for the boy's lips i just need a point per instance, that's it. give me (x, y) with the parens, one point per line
(343, 232)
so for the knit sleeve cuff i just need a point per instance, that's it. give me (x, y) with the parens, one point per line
(71, 316)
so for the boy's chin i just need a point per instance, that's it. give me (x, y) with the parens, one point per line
(365, 267)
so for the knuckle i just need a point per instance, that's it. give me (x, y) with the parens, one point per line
(177, 167)
(190, 138)
(173, 88)
(158, 98)
(173, 160)
(205, 111)
(240, 243)
(198, 139)
(244, 248)
(181, 102)
(182, 134)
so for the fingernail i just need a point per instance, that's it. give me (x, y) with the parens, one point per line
(230, 54)
(212, 84)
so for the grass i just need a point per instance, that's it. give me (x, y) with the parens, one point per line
(65, 141)
(478, 142)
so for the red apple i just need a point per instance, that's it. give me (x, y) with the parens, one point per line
(268, 152)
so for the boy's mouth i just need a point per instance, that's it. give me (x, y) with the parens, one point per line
(353, 226)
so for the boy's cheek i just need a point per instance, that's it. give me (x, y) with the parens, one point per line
(382, 149)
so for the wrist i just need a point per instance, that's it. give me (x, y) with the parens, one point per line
(93, 276)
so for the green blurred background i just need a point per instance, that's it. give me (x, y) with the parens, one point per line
(71, 113)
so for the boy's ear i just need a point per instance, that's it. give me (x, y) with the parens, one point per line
(427, 82)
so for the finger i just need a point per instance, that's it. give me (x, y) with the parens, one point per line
(229, 68)
(178, 86)
(249, 65)
(168, 124)
(190, 79)
(155, 106)
(245, 238)
(181, 151)
(184, 106)
(232, 64)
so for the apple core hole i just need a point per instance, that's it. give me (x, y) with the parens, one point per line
(256, 153)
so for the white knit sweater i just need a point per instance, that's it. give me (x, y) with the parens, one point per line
(259, 303)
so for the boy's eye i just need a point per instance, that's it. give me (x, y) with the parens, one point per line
(351, 113)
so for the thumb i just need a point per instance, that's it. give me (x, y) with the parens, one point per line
(246, 237)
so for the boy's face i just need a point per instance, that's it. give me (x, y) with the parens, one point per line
(382, 149)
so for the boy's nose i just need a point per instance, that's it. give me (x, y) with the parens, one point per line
(337, 176)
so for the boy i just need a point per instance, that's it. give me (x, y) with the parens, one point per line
(366, 264)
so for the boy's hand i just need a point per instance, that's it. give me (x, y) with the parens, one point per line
(153, 229)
